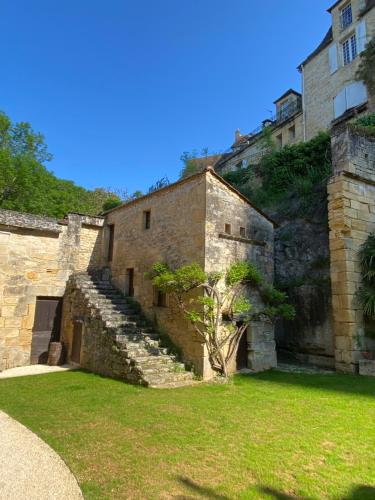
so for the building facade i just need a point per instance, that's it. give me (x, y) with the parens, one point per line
(199, 219)
(284, 128)
(330, 90)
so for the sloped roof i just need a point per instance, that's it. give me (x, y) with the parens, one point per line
(290, 91)
(323, 44)
(172, 186)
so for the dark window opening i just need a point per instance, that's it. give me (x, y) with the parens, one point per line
(129, 287)
(147, 219)
(160, 298)
(111, 240)
(228, 229)
(242, 232)
(292, 133)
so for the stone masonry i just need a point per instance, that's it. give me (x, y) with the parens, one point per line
(37, 256)
(351, 219)
(199, 219)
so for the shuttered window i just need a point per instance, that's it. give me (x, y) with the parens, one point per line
(333, 62)
(361, 36)
(351, 96)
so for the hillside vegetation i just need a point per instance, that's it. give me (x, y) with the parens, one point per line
(26, 185)
(288, 182)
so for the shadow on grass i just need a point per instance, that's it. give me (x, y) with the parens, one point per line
(201, 490)
(361, 492)
(358, 493)
(351, 384)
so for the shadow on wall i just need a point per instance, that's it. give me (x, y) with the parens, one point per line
(351, 384)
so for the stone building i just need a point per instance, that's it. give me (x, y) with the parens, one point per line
(285, 128)
(199, 219)
(38, 254)
(330, 90)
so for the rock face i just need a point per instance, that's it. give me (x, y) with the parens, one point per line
(116, 339)
(302, 270)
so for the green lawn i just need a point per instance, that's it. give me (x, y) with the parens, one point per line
(274, 435)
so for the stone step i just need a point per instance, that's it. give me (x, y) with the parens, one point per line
(139, 344)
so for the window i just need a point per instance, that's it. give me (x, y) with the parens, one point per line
(242, 232)
(147, 219)
(346, 16)
(239, 165)
(160, 298)
(284, 110)
(349, 49)
(228, 229)
(292, 133)
(279, 140)
(111, 238)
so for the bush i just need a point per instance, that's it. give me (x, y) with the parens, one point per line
(366, 294)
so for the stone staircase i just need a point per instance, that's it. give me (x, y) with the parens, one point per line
(132, 349)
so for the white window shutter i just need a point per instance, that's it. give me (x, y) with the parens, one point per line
(356, 94)
(361, 36)
(339, 104)
(333, 61)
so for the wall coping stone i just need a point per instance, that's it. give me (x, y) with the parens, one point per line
(29, 221)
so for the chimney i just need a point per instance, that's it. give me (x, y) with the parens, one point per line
(237, 135)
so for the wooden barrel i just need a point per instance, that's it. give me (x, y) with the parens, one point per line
(55, 353)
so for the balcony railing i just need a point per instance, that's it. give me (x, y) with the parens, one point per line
(282, 115)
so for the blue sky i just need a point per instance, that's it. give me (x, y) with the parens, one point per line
(121, 89)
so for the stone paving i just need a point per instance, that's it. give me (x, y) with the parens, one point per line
(23, 371)
(30, 469)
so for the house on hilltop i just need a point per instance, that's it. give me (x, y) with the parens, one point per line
(284, 128)
(331, 92)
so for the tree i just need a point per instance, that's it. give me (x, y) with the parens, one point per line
(163, 182)
(193, 162)
(27, 186)
(366, 70)
(221, 312)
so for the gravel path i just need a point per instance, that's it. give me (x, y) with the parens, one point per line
(30, 469)
(33, 370)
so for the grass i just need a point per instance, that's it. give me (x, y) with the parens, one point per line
(270, 436)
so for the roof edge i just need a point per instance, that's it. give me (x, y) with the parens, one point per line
(204, 172)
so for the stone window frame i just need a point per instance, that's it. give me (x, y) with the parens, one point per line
(243, 232)
(228, 229)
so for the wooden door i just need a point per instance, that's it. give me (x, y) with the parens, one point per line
(76, 343)
(46, 328)
(242, 352)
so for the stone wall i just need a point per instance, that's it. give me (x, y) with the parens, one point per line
(176, 237)
(351, 219)
(302, 270)
(187, 225)
(256, 244)
(37, 256)
(320, 86)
